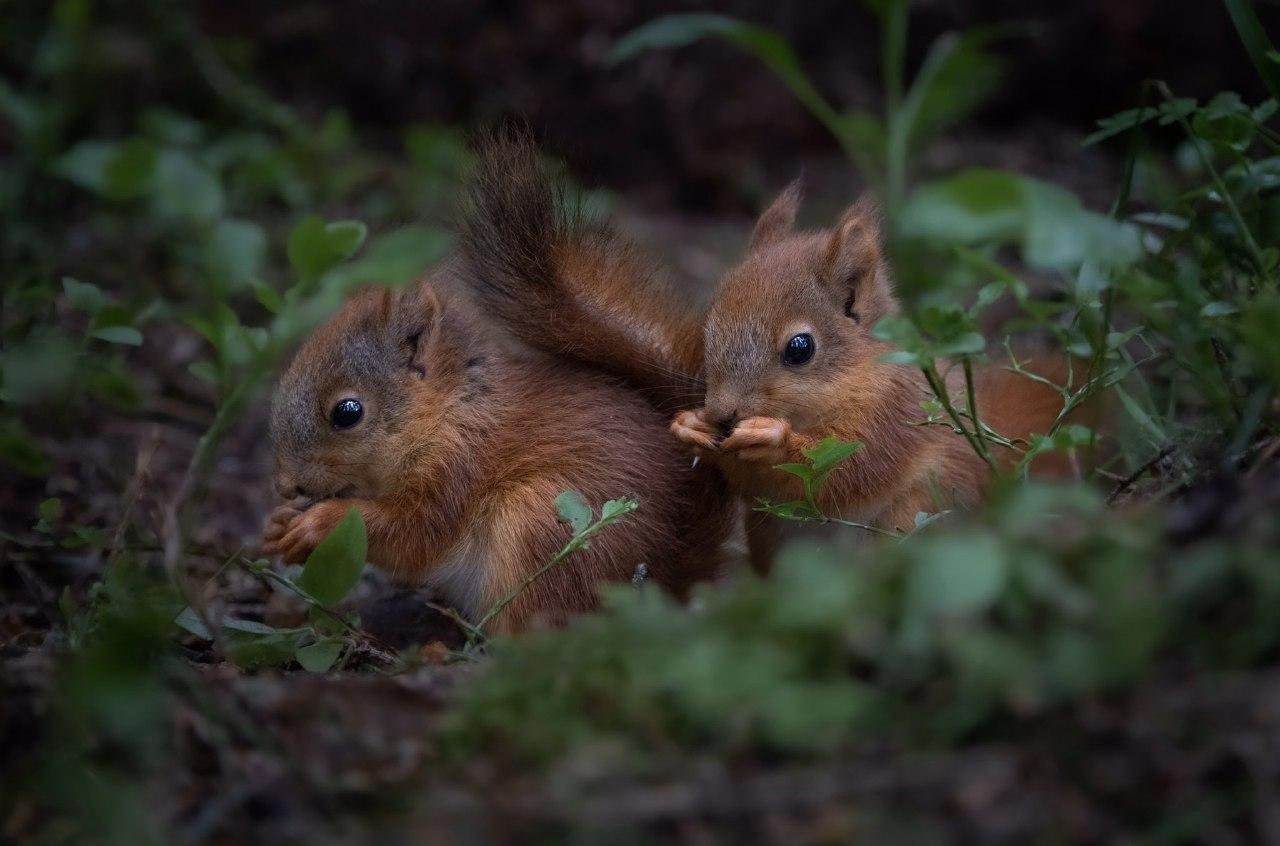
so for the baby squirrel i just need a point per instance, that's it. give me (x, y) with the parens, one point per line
(784, 353)
(454, 446)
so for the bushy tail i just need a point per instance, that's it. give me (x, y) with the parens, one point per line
(1018, 406)
(569, 287)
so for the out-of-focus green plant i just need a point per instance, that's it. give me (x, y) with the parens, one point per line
(957, 629)
(957, 75)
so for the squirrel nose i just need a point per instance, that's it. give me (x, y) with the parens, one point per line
(725, 425)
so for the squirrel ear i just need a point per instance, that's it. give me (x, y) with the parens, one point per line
(777, 220)
(415, 314)
(854, 261)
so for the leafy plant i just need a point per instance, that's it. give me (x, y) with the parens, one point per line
(966, 627)
(332, 569)
(957, 75)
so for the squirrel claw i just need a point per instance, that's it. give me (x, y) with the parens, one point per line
(692, 428)
(293, 534)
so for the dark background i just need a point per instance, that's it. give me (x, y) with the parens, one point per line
(693, 120)
(702, 127)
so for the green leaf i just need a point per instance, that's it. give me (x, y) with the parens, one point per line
(185, 189)
(333, 568)
(252, 627)
(984, 206)
(118, 335)
(830, 452)
(395, 258)
(765, 44)
(573, 509)
(315, 247)
(801, 471)
(1139, 415)
(956, 76)
(236, 254)
(252, 645)
(615, 508)
(909, 359)
(19, 451)
(50, 510)
(1256, 42)
(190, 621)
(320, 656)
(268, 297)
(958, 575)
(1121, 122)
(112, 169)
(1219, 308)
(204, 370)
(84, 296)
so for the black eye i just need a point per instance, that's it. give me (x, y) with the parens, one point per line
(347, 413)
(799, 349)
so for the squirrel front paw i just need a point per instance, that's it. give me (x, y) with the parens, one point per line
(693, 428)
(292, 533)
(766, 440)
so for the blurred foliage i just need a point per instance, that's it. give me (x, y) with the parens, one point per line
(950, 633)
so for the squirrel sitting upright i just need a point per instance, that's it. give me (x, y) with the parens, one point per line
(784, 353)
(454, 446)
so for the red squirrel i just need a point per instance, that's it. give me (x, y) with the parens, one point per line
(783, 357)
(454, 445)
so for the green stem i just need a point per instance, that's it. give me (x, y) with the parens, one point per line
(1256, 43)
(575, 543)
(1229, 201)
(940, 391)
(893, 51)
(979, 434)
(873, 529)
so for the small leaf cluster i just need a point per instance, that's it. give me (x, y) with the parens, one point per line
(821, 459)
(331, 571)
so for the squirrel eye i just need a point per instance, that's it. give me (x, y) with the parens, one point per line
(799, 349)
(347, 413)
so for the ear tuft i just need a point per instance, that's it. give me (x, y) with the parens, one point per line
(855, 240)
(777, 220)
(415, 313)
(854, 259)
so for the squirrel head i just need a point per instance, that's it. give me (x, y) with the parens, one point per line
(352, 408)
(793, 319)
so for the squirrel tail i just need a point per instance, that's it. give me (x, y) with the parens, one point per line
(1018, 406)
(569, 287)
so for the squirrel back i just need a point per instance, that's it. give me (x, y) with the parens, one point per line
(570, 287)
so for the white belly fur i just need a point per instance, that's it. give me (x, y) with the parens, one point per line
(459, 578)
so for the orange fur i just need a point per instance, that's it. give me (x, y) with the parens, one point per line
(464, 445)
(594, 299)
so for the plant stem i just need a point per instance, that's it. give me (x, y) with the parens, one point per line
(577, 542)
(1255, 251)
(940, 391)
(383, 651)
(979, 434)
(893, 49)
